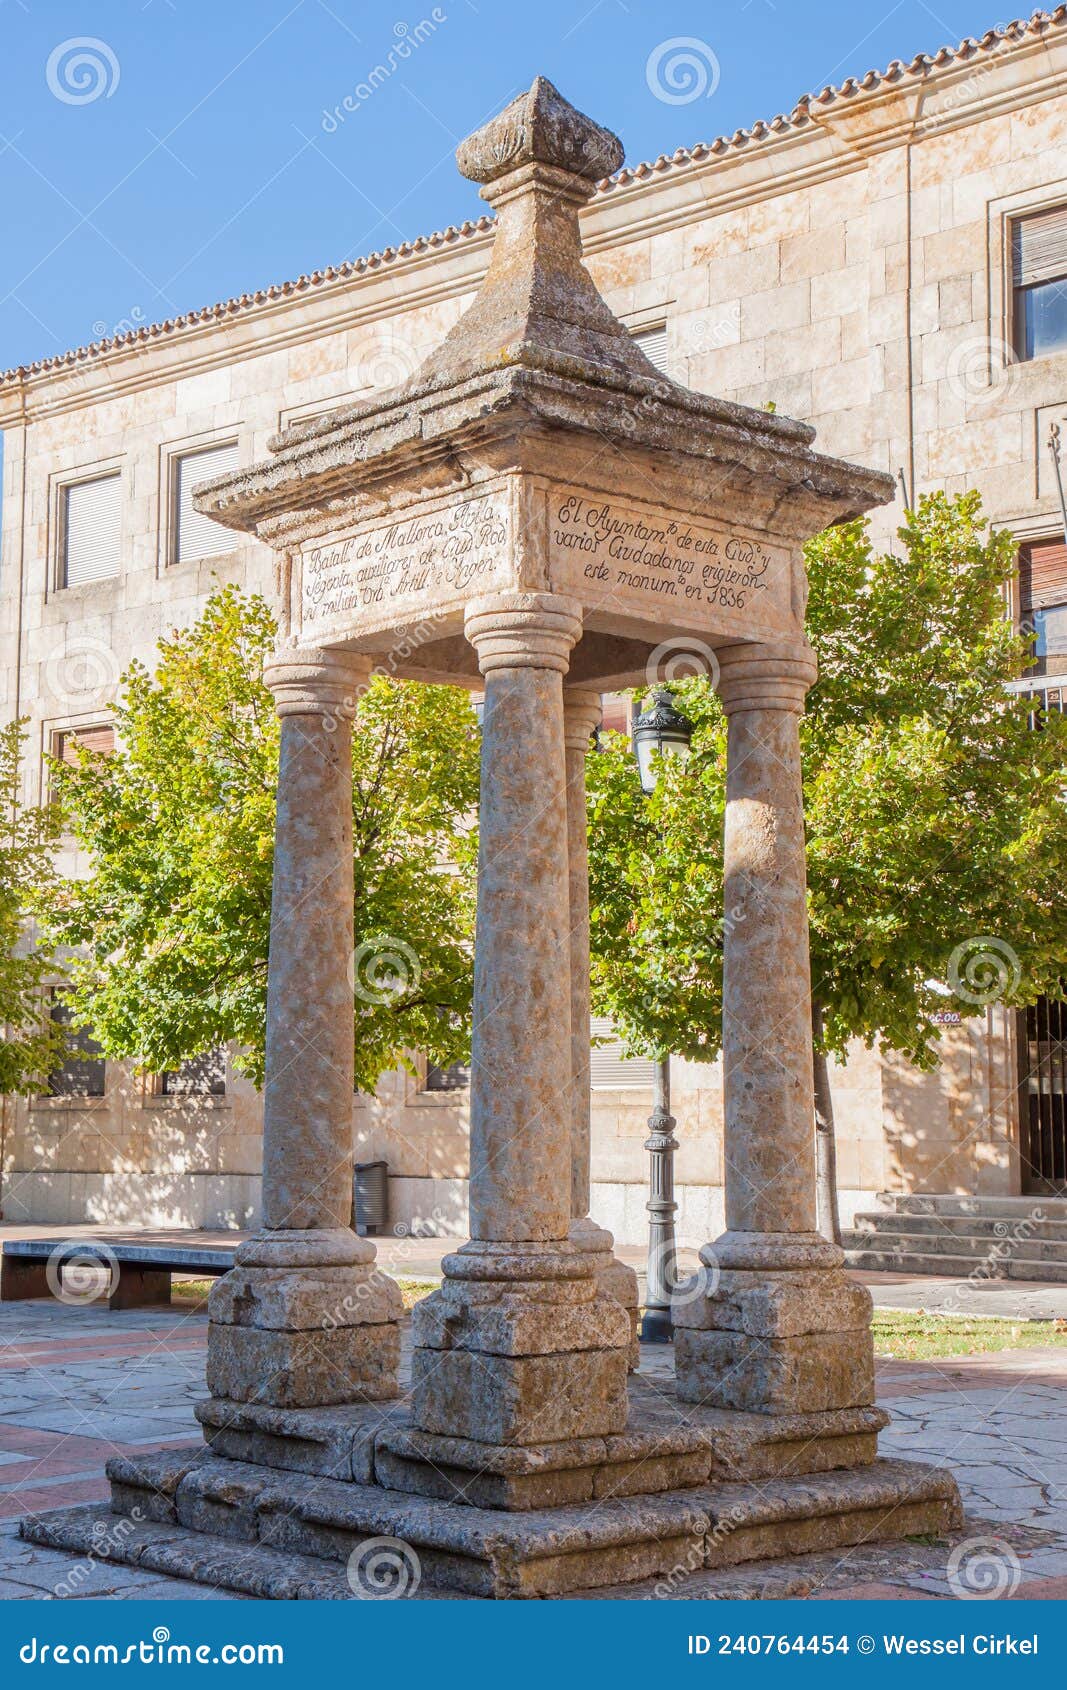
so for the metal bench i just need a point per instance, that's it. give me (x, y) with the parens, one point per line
(139, 1273)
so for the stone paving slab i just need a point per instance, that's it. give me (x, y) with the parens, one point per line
(998, 1421)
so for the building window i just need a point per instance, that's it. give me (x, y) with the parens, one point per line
(98, 740)
(194, 536)
(82, 1071)
(608, 1066)
(89, 530)
(456, 1077)
(1043, 603)
(1039, 282)
(653, 343)
(200, 1076)
(617, 713)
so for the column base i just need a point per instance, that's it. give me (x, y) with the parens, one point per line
(613, 1278)
(295, 1531)
(781, 1330)
(519, 1347)
(303, 1320)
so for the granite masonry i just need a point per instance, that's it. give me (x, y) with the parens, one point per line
(552, 508)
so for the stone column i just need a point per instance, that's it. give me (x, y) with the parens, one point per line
(302, 1320)
(519, 1347)
(771, 1323)
(581, 717)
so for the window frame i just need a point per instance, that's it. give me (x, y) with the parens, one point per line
(60, 484)
(172, 455)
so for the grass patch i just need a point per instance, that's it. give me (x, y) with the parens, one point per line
(190, 1292)
(914, 1335)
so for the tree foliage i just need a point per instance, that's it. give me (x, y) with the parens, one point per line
(30, 1043)
(937, 851)
(171, 926)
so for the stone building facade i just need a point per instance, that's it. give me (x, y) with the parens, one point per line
(882, 262)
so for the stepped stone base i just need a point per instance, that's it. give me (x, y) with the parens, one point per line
(298, 1523)
(658, 1451)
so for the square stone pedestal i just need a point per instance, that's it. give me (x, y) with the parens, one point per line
(303, 1491)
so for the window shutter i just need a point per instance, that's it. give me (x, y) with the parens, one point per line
(200, 536)
(1039, 247)
(607, 1064)
(99, 741)
(653, 343)
(91, 512)
(1042, 576)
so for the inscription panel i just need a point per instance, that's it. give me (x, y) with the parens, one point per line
(412, 566)
(664, 566)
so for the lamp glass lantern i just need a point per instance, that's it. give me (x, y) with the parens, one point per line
(660, 730)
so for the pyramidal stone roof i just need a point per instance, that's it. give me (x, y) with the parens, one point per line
(609, 179)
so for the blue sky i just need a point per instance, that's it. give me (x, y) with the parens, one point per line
(187, 152)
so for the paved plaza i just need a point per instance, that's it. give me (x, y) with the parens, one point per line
(78, 1385)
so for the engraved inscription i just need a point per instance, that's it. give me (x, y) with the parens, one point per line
(460, 547)
(645, 557)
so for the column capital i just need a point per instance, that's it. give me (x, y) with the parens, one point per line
(316, 681)
(765, 677)
(582, 714)
(523, 630)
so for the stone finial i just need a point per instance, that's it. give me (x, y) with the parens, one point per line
(539, 127)
(538, 306)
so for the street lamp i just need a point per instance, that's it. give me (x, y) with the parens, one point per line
(660, 731)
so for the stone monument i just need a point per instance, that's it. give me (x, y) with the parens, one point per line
(532, 516)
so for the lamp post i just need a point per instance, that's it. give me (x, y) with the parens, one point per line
(661, 730)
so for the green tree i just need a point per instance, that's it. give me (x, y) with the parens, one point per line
(170, 928)
(31, 1042)
(937, 851)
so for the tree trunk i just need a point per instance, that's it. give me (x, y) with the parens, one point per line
(825, 1146)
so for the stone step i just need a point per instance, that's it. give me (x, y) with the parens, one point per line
(945, 1203)
(176, 1552)
(1020, 1230)
(1038, 1253)
(539, 1553)
(912, 1260)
